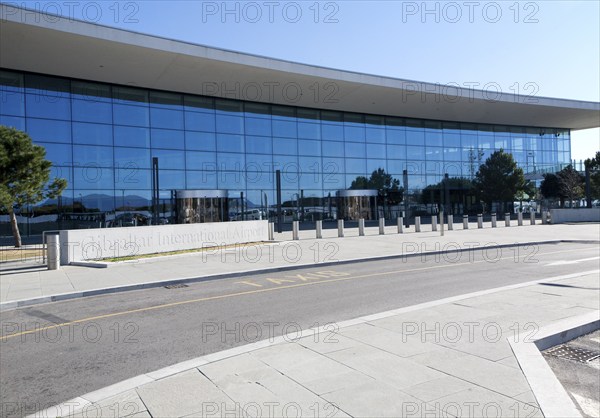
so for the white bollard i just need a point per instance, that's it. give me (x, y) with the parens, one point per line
(434, 223)
(494, 220)
(53, 249)
(271, 231)
(450, 222)
(417, 224)
(465, 221)
(295, 230)
(507, 219)
(381, 226)
(480, 221)
(544, 217)
(520, 218)
(361, 227)
(532, 221)
(400, 225)
(319, 229)
(341, 228)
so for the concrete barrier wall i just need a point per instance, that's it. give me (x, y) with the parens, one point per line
(559, 216)
(95, 244)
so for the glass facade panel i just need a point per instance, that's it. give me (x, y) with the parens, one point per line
(102, 138)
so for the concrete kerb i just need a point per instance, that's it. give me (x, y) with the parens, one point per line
(6, 306)
(130, 384)
(551, 396)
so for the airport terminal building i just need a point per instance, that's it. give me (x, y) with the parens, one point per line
(105, 102)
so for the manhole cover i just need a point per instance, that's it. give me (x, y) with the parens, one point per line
(581, 355)
(176, 286)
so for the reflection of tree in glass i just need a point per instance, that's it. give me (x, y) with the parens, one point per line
(381, 181)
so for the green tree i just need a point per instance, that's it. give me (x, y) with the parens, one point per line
(383, 182)
(550, 187)
(24, 175)
(499, 179)
(571, 183)
(593, 164)
(433, 192)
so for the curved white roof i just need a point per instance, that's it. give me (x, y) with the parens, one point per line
(70, 48)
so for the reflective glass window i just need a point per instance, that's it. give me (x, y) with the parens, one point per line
(284, 128)
(165, 100)
(58, 154)
(95, 200)
(286, 163)
(130, 176)
(486, 141)
(230, 124)
(434, 154)
(415, 153)
(333, 149)
(452, 154)
(47, 85)
(169, 159)
(131, 115)
(451, 139)
(373, 165)
(132, 158)
(230, 143)
(231, 107)
(48, 106)
(129, 136)
(309, 130)
(200, 141)
(259, 162)
(199, 104)
(415, 137)
(308, 181)
(396, 166)
(396, 136)
(287, 146)
(354, 133)
(469, 141)
(13, 122)
(327, 115)
(167, 138)
(92, 111)
(200, 121)
(354, 150)
(310, 164)
(333, 165)
(92, 133)
(231, 161)
(376, 151)
(201, 160)
(90, 92)
(201, 180)
(49, 130)
(356, 165)
(85, 155)
(11, 81)
(172, 179)
(90, 176)
(258, 126)
(231, 180)
(130, 95)
(166, 118)
(259, 144)
(375, 135)
(257, 110)
(332, 132)
(396, 151)
(12, 103)
(306, 147)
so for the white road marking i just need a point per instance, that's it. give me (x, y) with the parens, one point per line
(564, 262)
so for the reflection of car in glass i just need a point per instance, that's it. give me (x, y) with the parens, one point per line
(248, 215)
(130, 219)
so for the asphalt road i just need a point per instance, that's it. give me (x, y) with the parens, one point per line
(102, 340)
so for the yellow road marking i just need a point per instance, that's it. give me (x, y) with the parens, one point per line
(251, 292)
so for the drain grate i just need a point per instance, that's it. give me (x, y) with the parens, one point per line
(581, 355)
(176, 286)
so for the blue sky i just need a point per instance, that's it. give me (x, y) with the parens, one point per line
(544, 48)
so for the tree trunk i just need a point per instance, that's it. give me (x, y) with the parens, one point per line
(15, 228)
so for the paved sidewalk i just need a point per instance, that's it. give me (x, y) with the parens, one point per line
(18, 282)
(443, 358)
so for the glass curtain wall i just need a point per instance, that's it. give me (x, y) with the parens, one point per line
(102, 139)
